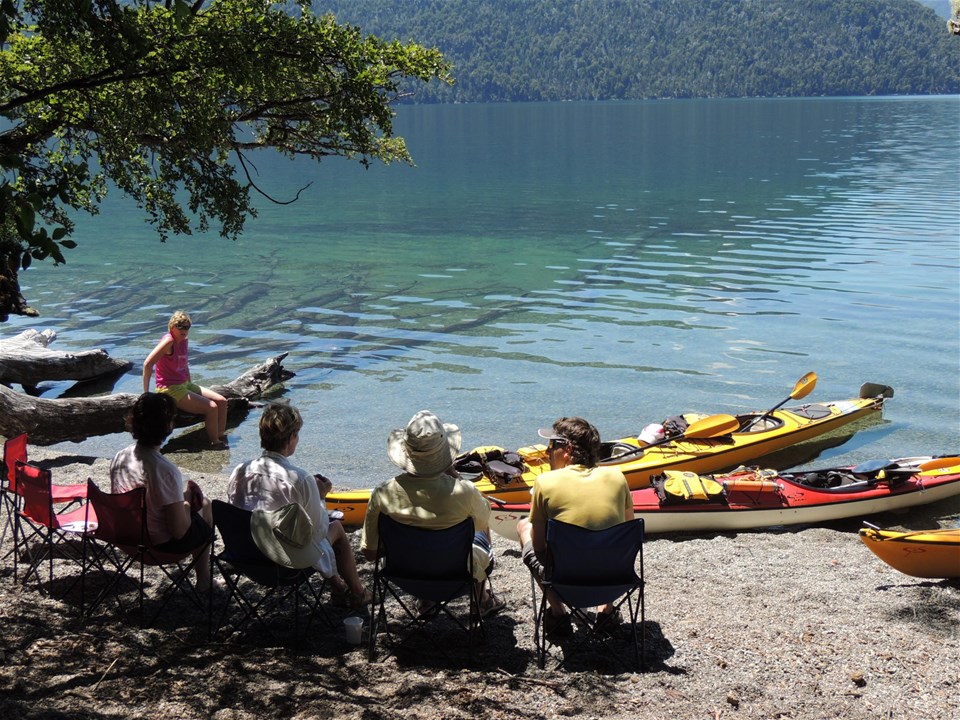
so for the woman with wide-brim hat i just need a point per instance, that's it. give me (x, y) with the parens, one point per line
(430, 494)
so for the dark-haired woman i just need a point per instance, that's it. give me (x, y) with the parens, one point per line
(178, 517)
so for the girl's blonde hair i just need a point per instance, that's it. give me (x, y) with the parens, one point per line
(179, 320)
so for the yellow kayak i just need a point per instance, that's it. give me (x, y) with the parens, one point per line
(923, 554)
(712, 444)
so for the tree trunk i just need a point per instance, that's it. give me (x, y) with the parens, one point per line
(51, 421)
(26, 359)
(11, 299)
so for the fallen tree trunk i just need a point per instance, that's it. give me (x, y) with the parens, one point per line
(51, 421)
(26, 359)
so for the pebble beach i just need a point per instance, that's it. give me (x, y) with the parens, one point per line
(791, 623)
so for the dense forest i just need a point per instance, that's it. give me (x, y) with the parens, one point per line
(519, 50)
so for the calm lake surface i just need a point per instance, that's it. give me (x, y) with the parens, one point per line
(620, 261)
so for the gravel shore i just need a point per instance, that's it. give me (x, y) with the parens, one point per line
(800, 623)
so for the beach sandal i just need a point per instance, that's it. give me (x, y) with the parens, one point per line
(425, 607)
(347, 599)
(608, 622)
(491, 605)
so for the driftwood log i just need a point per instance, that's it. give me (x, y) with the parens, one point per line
(27, 359)
(51, 421)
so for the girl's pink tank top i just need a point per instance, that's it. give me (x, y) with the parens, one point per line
(172, 369)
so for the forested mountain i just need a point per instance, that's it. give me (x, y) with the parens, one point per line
(514, 50)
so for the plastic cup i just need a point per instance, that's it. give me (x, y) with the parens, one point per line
(353, 627)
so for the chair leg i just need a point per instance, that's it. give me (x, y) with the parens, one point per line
(7, 525)
(377, 615)
(643, 633)
(539, 634)
(34, 557)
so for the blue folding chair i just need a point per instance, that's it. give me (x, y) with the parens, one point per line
(435, 566)
(590, 568)
(259, 586)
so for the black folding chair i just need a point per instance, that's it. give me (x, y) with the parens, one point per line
(121, 540)
(590, 568)
(434, 566)
(257, 585)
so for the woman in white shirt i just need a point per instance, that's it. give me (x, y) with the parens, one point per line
(179, 518)
(271, 481)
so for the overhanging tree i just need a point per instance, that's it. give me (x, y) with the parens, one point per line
(169, 101)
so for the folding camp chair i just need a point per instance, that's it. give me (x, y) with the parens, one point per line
(36, 520)
(14, 451)
(590, 568)
(435, 566)
(120, 540)
(248, 572)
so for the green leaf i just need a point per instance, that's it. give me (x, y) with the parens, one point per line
(25, 218)
(163, 100)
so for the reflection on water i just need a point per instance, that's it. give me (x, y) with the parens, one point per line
(622, 261)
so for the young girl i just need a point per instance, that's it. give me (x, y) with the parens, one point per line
(173, 378)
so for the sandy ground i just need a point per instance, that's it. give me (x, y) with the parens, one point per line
(803, 623)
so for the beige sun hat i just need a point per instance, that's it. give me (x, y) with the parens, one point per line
(425, 446)
(285, 536)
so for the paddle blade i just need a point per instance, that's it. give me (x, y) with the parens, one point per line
(940, 463)
(804, 386)
(712, 426)
(875, 390)
(872, 467)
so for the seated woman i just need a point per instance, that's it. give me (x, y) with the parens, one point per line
(271, 481)
(178, 518)
(430, 494)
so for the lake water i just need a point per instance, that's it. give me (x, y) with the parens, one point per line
(620, 261)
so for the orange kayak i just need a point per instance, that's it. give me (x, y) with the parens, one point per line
(923, 554)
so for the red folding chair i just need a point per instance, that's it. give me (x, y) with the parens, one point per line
(37, 522)
(14, 451)
(120, 540)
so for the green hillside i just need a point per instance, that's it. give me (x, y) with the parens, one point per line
(517, 50)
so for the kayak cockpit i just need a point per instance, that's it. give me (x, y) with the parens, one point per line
(613, 452)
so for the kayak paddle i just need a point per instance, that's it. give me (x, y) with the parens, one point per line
(803, 388)
(875, 390)
(939, 463)
(887, 469)
(708, 427)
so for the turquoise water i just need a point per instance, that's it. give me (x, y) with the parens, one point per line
(621, 261)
